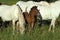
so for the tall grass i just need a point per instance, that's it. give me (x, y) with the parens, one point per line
(39, 33)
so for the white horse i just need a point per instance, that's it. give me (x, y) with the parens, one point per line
(30, 4)
(12, 13)
(50, 12)
(42, 3)
(24, 5)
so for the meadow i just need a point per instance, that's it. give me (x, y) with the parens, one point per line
(39, 32)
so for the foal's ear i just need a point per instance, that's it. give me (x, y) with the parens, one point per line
(35, 6)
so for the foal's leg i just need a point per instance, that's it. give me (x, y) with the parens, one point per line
(29, 27)
(32, 25)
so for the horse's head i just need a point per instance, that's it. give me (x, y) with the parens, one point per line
(34, 10)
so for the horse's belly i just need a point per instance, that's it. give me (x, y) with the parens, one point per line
(6, 19)
(45, 14)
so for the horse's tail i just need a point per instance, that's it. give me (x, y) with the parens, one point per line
(21, 20)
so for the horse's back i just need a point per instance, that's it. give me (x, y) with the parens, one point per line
(22, 4)
(8, 12)
(55, 9)
(44, 11)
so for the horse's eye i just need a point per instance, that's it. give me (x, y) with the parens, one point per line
(35, 10)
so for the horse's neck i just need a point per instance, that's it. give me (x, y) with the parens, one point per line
(31, 14)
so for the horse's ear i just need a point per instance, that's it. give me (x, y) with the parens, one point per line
(35, 6)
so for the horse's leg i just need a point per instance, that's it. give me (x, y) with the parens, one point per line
(13, 27)
(51, 25)
(17, 28)
(29, 27)
(21, 28)
(32, 25)
(54, 24)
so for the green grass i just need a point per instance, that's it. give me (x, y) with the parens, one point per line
(9, 2)
(39, 33)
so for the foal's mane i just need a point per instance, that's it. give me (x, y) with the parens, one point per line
(32, 9)
(35, 7)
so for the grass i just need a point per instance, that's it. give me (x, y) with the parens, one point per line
(9, 2)
(39, 33)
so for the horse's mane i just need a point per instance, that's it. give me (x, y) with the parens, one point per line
(19, 7)
(34, 7)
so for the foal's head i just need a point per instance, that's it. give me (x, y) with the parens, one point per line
(34, 11)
